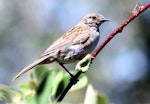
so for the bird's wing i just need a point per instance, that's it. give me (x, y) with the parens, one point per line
(77, 35)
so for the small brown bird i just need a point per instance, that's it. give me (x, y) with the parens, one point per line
(73, 45)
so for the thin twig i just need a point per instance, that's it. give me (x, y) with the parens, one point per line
(74, 79)
(119, 29)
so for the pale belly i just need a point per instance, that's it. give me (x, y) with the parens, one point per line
(77, 52)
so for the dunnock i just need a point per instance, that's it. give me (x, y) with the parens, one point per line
(73, 45)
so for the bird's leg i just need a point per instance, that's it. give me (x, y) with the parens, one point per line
(62, 65)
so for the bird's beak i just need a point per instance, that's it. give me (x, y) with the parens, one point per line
(105, 20)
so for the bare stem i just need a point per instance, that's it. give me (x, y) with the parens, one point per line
(119, 29)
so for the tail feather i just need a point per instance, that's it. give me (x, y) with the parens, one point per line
(35, 63)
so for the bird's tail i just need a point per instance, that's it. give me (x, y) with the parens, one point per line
(35, 63)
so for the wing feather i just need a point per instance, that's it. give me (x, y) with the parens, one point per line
(76, 35)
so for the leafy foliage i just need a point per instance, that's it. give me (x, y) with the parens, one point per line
(93, 97)
(44, 87)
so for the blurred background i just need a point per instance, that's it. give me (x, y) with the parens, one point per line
(121, 71)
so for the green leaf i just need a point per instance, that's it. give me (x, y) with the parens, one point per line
(83, 80)
(84, 64)
(31, 85)
(93, 97)
(31, 99)
(48, 86)
(102, 99)
(8, 94)
(56, 81)
(39, 71)
(24, 87)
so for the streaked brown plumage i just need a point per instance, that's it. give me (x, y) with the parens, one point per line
(73, 45)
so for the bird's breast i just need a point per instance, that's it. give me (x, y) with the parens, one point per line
(76, 52)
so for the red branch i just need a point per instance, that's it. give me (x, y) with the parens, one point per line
(119, 29)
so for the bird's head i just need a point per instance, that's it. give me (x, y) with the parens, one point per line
(93, 19)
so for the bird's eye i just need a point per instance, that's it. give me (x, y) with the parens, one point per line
(93, 17)
(90, 17)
